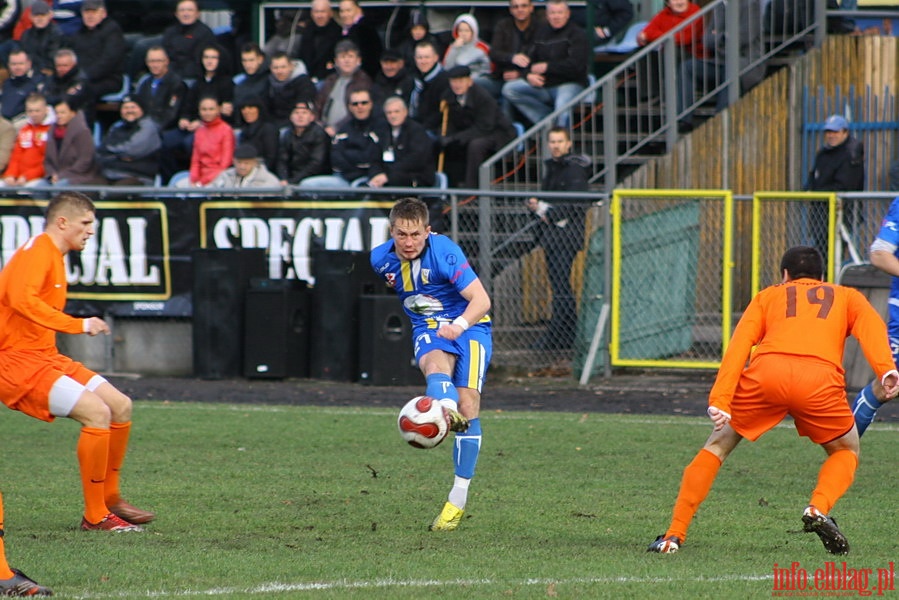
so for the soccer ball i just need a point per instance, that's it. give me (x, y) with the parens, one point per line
(422, 422)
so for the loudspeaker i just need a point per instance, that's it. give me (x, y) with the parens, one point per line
(220, 281)
(276, 329)
(385, 343)
(341, 277)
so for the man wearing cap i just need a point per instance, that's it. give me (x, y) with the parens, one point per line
(43, 38)
(334, 93)
(248, 171)
(304, 149)
(100, 47)
(129, 152)
(393, 79)
(476, 128)
(839, 167)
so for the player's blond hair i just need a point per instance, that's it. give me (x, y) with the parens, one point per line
(409, 209)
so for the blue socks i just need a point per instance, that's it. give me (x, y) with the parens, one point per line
(440, 386)
(864, 407)
(466, 450)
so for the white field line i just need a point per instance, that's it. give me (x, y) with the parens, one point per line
(360, 411)
(381, 584)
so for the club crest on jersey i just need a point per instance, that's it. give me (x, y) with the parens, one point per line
(425, 276)
(423, 304)
(391, 279)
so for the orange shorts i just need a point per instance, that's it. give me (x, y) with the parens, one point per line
(26, 377)
(810, 390)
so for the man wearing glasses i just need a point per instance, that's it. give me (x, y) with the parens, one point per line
(355, 153)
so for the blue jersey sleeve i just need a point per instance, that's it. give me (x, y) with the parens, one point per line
(889, 228)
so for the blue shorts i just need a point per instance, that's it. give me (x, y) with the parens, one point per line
(472, 350)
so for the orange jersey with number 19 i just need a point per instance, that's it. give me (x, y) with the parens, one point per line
(803, 318)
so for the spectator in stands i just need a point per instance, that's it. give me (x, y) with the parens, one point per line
(476, 128)
(304, 149)
(182, 41)
(7, 141)
(26, 163)
(215, 81)
(419, 30)
(288, 84)
(258, 130)
(71, 155)
(561, 234)
(100, 47)
(69, 82)
(611, 18)
(129, 152)
(357, 28)
(557, 70)
(393, 79)
(511, 39)
(43, 38)
(248, 171)
(161, 91)
(214, 144)
(673, 14)
(22, 82)
(710, 71)
(406, 150)
(355, 153)
(334, 93)
(467, 49)
(253, 82)
(430, 85)
(286, 36)
(319, 38)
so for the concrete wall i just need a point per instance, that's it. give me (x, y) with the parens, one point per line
(144, 346)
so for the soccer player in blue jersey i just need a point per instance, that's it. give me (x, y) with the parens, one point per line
(885, 256)
(451, 331)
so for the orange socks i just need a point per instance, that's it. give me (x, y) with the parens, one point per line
(834, 479)
(118, 445)
(695, 484)
(93, 455)
(5, 571)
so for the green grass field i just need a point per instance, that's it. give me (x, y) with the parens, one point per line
(303, 502)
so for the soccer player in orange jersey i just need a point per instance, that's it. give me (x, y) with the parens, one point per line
(799, 328)
(39, 381)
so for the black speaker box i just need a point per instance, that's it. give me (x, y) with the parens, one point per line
(341, 277)
(276, 329)
(385, 343)
(220, 281)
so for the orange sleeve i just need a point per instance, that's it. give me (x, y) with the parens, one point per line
(750, 329)
(33, 292)
(871, 332)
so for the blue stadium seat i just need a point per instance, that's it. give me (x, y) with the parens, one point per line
(117, 96)
(441, 181)
(178, 177)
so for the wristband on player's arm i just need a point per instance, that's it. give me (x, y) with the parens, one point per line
(887, 374)
(461, 323)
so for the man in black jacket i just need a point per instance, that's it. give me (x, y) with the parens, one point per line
(304, 149)
(558, 67)
(355, 152)
(561, 234)
(23, 81)
(161, 91)
(358, 29)
(100, 47)
(288, 84)
(476, 128)
(319, 37)
(183, 40)
(429, 86)
(406, 150)
(512, 38)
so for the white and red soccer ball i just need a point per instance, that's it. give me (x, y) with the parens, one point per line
(423, 422)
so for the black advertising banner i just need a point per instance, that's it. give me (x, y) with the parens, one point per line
(138, 261)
